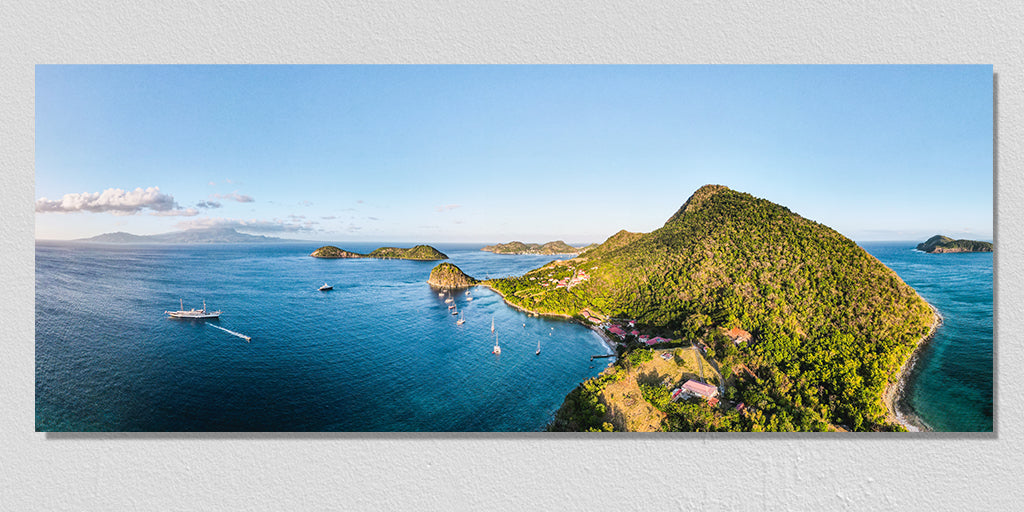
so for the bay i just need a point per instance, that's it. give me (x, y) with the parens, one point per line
(381, 352)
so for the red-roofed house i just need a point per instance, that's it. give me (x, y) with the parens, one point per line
(700, 389)
(656, 340)
(738, 335)
(616, 330)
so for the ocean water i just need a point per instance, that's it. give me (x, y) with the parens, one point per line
(950, 386)
(380, 352)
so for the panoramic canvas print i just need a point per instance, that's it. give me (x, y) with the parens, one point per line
(514, 248)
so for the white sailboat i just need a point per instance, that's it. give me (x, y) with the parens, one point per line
(462, 320)
(538, 347)
(497, 349)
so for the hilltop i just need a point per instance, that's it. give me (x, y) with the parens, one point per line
(189, 236)
(945, 244)
(831, 325)
(516, 247)
(419, 252)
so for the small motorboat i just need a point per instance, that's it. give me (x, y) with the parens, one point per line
(326, 287)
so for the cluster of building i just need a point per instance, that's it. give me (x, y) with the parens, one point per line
(578, 276)
(621, 332)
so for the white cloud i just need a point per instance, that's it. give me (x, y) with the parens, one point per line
(242, 225)
(448, 207)
(111, 200)
(208, 204)
(234, 196)
(190, 212)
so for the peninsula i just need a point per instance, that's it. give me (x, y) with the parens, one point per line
(736, 314)
(945, 244)
(556, 247)
(419, 253)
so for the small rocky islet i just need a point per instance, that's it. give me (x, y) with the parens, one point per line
(447, 275)
(939, 244)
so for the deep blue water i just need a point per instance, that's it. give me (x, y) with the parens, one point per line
(379, 353)
(950, 386)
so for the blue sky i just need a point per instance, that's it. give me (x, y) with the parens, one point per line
(497, 153)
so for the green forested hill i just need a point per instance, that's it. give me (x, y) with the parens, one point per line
(516, 247)
(420, 252)
(832, 324)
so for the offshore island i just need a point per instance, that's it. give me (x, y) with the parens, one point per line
(736, 315)
(516, 247)
(944, 244)
(419, 252)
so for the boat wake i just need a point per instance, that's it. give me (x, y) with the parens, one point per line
(229, 331)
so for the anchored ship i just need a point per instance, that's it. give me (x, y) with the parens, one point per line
(193, 313)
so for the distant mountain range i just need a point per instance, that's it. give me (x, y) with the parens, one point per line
(189, 236)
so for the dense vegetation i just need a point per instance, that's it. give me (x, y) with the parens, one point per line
(420, 252)
(447, 275)
(942, 244)
(330, 251)
(556, 247)
(832, 325)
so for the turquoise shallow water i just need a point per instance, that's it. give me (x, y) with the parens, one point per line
(378, 353)
(950, 387)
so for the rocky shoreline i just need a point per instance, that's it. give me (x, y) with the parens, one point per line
(895, 397)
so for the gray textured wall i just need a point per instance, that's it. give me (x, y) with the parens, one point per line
(482, 472)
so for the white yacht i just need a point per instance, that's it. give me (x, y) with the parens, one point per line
(193, 313)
